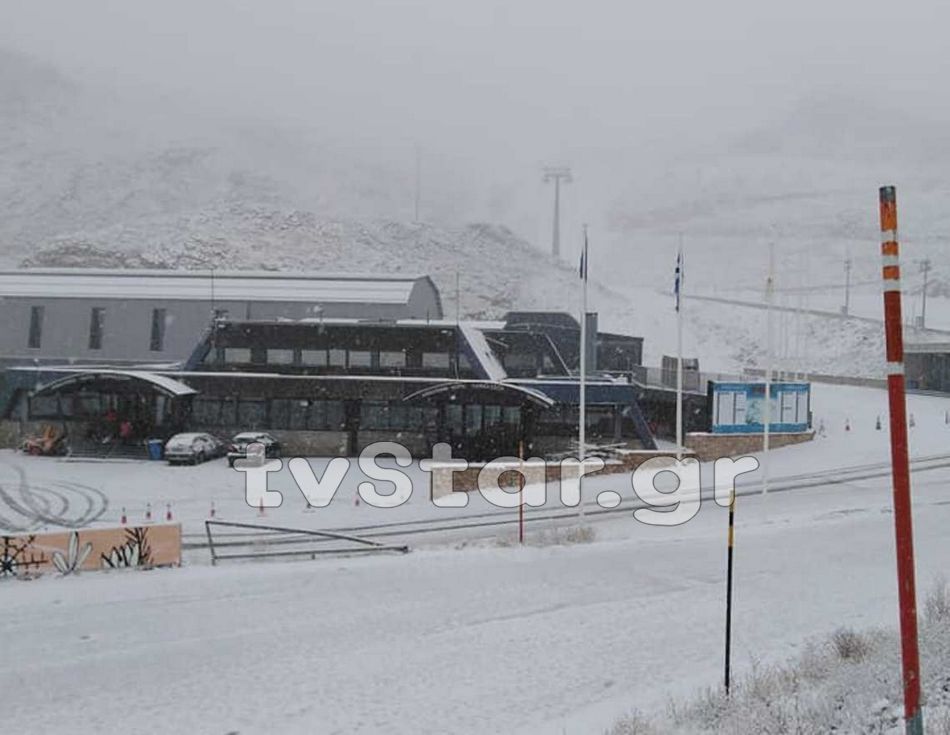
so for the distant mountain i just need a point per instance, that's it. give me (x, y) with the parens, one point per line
(91, 178)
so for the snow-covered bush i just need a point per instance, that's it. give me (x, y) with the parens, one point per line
(850, 645)
(564, 536)
(635, 723)
(849, 683)
(937, 602)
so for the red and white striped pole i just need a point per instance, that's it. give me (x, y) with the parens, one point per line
(900, 468)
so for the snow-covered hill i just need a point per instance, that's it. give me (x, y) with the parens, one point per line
(93, 177)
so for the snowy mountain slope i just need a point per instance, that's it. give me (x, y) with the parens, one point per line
(497, 271)
(95, 177)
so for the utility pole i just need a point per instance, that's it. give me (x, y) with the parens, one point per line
(418, 185)
(925, 268)
(557, 174)
(767, 409)
(582, 388)
(679, 350)
(847, 286)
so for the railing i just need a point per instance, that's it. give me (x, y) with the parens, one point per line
(254, 542)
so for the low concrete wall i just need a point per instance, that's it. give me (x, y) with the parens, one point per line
(311, 443)
(416, 443)
(544, 445)
(709, 447)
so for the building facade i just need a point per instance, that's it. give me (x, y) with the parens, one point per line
(54, 316)
(328, 364)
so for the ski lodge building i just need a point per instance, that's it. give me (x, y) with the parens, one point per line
(327, 363)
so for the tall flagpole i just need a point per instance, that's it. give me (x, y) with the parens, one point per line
(679, 351)
(582, 424)
(769, 291)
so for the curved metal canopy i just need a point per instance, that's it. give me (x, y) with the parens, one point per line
(160, 383)
(534, 396)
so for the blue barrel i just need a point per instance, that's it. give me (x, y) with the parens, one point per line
(155, 447)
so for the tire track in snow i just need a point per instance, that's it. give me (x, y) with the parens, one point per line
(61, 503)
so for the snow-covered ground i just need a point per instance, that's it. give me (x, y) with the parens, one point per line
(105, 489)
(466, 639)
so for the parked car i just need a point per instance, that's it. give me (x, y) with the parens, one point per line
(192, 448)
(240, 442)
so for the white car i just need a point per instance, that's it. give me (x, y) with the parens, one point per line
(239, 444)
(192, 448)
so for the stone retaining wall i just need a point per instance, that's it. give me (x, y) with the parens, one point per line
(708, 447)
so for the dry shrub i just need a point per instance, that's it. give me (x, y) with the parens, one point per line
(634, 723)
(850, 645)
(564, 536)
(937, 603)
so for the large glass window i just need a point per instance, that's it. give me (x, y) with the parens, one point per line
(374, 415)
(392, 359)
(361, 358)
(473, 419)
(313, 357)
(36, 327)
(325, 416)
(279, 414)
(337, 358)
(87, 404)
(229, 411)
(157, 339)
(297, 418)
(333, 411)
(252, 413)
(206, 411)
(237, 355)
(44, 407)
(453, 418)
(280, 357)
(435, 359)
(97, 318)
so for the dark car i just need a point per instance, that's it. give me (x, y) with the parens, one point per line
(192, 448)
(240, 442)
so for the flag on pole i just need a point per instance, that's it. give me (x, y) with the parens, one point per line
(583, 268)
(678, 279)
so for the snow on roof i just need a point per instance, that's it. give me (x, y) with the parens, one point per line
(199, 285)
(483, 352)
(164, 383)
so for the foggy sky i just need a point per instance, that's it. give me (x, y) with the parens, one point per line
(547, 76)
(493, 89)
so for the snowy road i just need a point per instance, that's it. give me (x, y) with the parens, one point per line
(480, 640)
